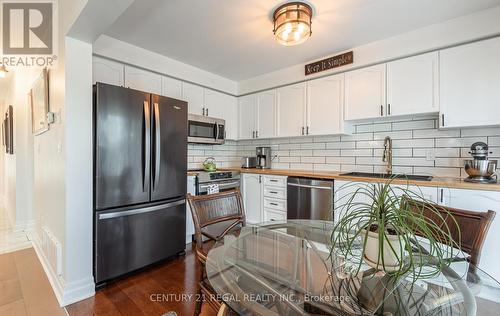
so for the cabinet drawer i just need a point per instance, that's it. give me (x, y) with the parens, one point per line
(275, 192)
(275, 204)
(275, 181)
(274, 215)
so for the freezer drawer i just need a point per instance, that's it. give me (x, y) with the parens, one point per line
(133, 238)
(309, 199)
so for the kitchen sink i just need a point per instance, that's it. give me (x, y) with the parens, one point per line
(387, 176)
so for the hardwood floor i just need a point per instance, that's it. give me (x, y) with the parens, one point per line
(152, 292)
(24, 287)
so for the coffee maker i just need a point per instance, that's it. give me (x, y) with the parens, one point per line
(263, 157)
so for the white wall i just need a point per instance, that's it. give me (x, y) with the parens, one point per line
(470, 27)
(115, 49)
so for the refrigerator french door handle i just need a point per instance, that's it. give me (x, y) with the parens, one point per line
(147, 145)
(157, 145)
(141, 211)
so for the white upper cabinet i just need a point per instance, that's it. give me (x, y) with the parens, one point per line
(266, 114)
(171, 87)
(194, 95)
(247, 112)
(325, 105)
(469, 84)
(221, 105)
(291, 102)
(142, 80)
(412, 85)
(107, 71)
(365, 93)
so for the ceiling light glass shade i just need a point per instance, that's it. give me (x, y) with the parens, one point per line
(292, 23)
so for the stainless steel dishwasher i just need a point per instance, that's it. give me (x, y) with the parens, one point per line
(309, 198)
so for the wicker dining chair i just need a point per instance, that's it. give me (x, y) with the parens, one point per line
(214, 217)
(468, 229)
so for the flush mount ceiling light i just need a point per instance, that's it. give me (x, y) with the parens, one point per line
(292, 23)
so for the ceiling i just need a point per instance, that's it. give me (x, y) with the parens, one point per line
(234, 39)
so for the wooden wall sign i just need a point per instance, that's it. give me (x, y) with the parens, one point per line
(329, 63)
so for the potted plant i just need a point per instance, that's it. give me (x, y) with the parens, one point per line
(378, 226)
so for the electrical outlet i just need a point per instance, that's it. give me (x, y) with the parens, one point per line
(430, 155)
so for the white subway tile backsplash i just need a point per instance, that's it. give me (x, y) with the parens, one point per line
(494, 141)
(356, 152)
(327, 152)
(413, 138)
(366, 128)
(413, 143)
(326, 167)
(312, 159)
(313, 146)
(413, 125)
(393, 135)
(435, 133)
(459, 142)
(340, 145)
(492, 131)
(437, 152)
(341, 160)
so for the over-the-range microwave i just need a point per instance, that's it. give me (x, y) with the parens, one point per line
(206, 130)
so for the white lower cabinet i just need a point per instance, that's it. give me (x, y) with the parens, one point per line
(264, 197)
(251, 190)
(479, 201)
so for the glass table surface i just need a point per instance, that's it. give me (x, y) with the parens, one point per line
(288, 268)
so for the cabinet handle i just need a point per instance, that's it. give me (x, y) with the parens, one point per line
(273, 180)
(206, 112)
(307, 130)
(273, 192)
(381, 110)
(442, 119)
(275, 204)
(389, 109)
(256, 134)
(203, 110)
(260, 179)
(302, 130)
(441, 199)
(253, 134)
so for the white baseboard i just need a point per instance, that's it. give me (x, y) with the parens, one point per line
(66, 293)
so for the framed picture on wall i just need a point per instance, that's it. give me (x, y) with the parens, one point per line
(39, 98)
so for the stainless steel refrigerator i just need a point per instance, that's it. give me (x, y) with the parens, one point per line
(140, 164)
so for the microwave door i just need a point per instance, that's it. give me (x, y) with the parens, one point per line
(202, 132)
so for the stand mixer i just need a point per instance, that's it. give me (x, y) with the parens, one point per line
(480, 169)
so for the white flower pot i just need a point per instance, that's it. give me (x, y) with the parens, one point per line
(392, 258)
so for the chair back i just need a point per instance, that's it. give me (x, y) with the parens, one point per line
(468, 229)
(221, 211)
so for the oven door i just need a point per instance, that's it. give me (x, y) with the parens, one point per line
(205, 130)
(226, 185)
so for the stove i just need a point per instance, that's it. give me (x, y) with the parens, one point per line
(225, 180)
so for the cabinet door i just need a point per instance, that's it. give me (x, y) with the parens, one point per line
(247, 109)
(142, 80)
(365, 93)
(194, 96)
(344, 191)
(171, 88)
(107, 71)
(325, 105)
(252, 197)
(412, 85)
(480, 201)
(291, 110)
(469, 81)
(266, 114)
(221, 105)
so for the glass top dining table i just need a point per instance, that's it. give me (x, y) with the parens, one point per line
(288, 268)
